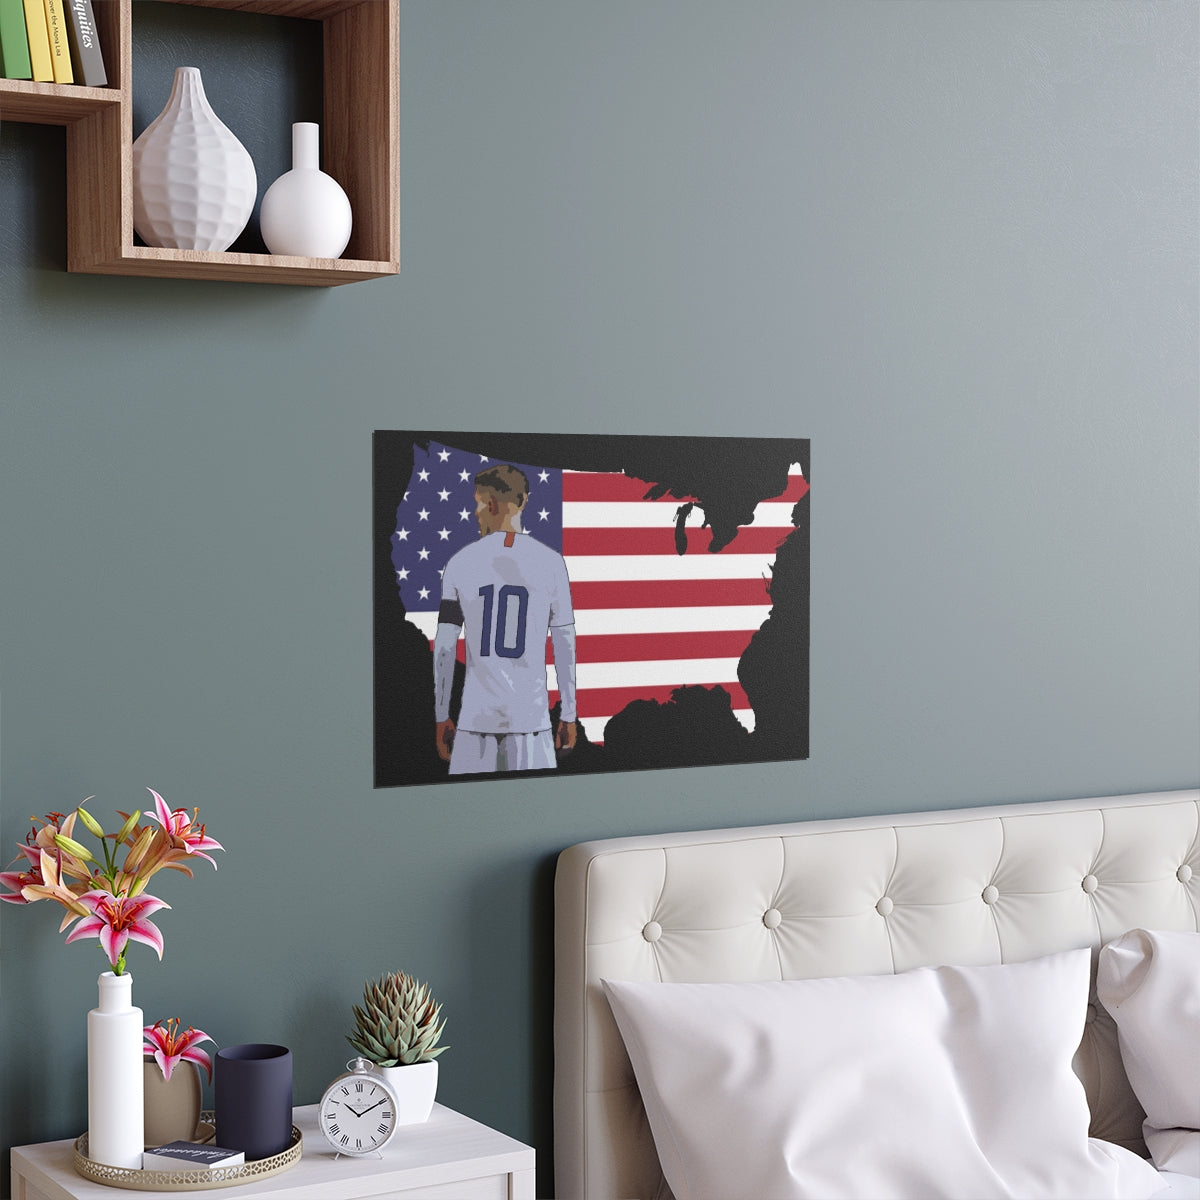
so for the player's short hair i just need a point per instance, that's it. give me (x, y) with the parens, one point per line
(506, 482)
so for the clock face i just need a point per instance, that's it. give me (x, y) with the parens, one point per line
(357, 1115)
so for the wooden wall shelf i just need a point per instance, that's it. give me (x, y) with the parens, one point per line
(360, 132)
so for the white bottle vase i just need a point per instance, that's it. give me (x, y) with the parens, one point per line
(194, 183)
(115, 1087)
(305, 211)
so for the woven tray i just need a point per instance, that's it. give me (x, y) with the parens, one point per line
(186, 1180)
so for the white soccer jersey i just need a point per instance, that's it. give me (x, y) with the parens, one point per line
(511, 589)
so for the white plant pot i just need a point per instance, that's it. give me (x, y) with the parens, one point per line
(194, 183)
(115, 1089)
(415, 1088)
(305, 211)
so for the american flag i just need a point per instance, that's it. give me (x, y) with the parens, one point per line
(647, 619)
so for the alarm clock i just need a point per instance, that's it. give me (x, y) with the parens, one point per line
(357, 1113)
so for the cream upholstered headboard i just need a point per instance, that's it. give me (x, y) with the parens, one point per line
(860, 896)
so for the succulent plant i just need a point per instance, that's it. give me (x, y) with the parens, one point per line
(397, 1023)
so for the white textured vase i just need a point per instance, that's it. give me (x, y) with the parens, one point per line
(194, 183)
(115, 1089)
(305, 211)
(415, 1088)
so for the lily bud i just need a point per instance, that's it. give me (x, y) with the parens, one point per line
(133, 860)
(129, 826)
(73, 848)
(93, 826)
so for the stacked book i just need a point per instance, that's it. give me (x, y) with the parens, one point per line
(190, 1156)
(50, 41)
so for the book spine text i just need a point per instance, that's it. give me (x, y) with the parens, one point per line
(60, 49)
(86, 59)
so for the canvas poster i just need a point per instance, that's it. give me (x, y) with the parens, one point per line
(564, 604)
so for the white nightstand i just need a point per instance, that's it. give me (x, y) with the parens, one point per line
(449, 1157)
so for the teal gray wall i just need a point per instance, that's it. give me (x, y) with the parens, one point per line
(954, 244)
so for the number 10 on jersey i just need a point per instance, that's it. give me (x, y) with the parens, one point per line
(504, 619)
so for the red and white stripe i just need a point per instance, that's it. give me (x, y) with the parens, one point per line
(647, 619)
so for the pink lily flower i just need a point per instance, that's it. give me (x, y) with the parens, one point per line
(116, 920)
(51, 887)
(18, 881)
(53, 823)
(43, 882)
(185, 835)
(37, 843)
(15, 881)
(168, 1046)
(54, 828)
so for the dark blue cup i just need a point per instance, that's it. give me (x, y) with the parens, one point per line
(253, 1099)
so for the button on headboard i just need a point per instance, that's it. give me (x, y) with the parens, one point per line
(867, 895)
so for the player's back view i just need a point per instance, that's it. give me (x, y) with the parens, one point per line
(512, 590)
(505, 592)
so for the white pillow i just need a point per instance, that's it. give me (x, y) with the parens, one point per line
(940, 1082)
(1150, 982)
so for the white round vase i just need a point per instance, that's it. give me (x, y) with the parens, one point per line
(415, 1088)
(194, 183)
(115, 1089)
(305, 211)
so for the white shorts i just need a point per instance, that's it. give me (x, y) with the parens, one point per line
(474, 752)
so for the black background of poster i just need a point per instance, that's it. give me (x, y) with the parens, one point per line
(728, 476)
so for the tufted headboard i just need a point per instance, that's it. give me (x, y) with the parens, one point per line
(858, 896)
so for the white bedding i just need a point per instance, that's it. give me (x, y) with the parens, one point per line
(933, 1084)
(1149, 980)
(1177, 1187)
(871, 896)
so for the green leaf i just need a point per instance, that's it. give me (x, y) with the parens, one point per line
(360, 1048)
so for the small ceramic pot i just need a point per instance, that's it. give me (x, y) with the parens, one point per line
(172, 1106)
(415, 1087)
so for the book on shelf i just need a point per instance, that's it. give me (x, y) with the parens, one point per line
(86, 59)
(39, 41)
(14, 49)
(190, 1156)
(60, 48)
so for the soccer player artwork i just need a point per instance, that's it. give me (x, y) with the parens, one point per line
(551, 604)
